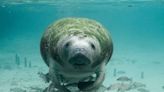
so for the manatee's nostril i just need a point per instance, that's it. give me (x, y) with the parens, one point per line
(93, 46)
(67, 44)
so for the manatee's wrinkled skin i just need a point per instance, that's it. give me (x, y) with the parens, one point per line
(75, 49)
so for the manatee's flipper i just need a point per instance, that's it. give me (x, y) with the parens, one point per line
(92, 85)
(71, 85)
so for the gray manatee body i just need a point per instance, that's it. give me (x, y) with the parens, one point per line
(75, 50)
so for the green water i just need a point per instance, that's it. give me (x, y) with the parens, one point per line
(136, 27)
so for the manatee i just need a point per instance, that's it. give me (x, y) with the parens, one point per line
(76, 51)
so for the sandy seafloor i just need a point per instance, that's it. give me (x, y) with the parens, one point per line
(137, 30)
(27, 80)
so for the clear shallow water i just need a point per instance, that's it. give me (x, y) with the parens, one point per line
(137, 29)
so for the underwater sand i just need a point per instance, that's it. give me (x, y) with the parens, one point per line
(21, 79)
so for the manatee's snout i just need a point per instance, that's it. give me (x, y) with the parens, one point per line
(78, 51)
(79, 58)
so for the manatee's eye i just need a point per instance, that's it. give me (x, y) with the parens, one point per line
(67, 44)
(93, 46)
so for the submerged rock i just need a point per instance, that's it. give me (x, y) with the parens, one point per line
(124, 79)
(136, 85)
(120, 87)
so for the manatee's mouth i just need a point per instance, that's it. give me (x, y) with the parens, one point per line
(79, 60)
